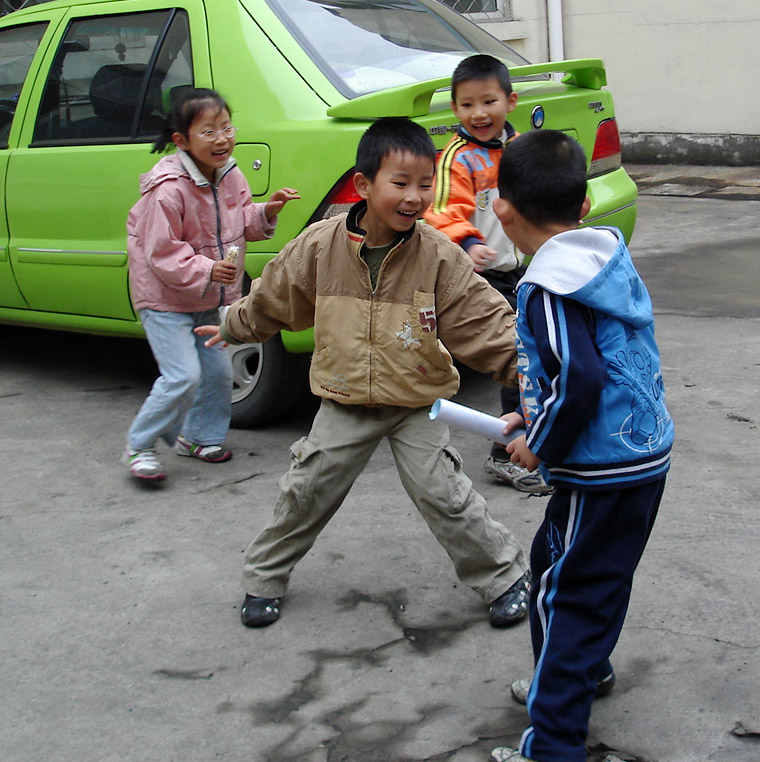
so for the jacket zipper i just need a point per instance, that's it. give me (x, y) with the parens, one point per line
(218, 235)
(373, 291)
(371, 316)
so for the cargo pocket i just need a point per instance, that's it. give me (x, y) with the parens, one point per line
(297, 485)
(452, 485)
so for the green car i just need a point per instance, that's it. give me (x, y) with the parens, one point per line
(84, 85)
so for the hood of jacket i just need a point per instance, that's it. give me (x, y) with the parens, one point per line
(593, 266)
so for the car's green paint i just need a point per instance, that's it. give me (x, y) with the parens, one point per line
(62, 218)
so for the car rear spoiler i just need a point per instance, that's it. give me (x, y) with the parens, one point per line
(414, 100)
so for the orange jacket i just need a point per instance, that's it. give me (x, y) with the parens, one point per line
(465, 187)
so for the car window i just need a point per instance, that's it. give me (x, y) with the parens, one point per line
(17, 48)
(173, 70)
(111, 78)
(366, 47)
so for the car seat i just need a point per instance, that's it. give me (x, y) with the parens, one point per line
(114, 93)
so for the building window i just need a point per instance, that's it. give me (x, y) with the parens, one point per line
(483, 9)
(8, 6)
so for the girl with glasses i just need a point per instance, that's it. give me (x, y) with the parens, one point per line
(186, 245)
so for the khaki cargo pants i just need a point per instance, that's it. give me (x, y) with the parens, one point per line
(325, 464)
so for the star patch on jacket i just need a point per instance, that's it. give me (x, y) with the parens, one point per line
(405, 335)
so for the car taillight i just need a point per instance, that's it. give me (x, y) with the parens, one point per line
(340, 199)
(606, 155)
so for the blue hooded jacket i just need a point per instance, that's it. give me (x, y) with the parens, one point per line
(591, 389)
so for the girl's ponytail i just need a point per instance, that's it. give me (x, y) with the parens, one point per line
(164, 140)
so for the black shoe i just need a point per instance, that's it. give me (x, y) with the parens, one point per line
(259, 612)
(510, 607)
(605, 685)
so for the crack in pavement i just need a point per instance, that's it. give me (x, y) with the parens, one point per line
(426, 640)
(186, 674)
(354, 740)
(232, 482)
(359, 740)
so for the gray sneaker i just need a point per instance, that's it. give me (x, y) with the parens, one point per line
(517, 476)
(143, 464)
(506, 754)
(519, 688)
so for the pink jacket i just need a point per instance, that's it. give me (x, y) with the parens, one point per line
(180, 226)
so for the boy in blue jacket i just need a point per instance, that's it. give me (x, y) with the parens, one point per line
(592, 403)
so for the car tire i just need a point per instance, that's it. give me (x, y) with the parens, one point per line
(268, 382)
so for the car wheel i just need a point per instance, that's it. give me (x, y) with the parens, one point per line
(267, 382)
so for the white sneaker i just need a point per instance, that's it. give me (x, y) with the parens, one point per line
(505, 754)
(210, 453)
(517, 476)
(143, 464)
(519, 688)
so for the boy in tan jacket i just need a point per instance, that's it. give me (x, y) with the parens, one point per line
(390, 300)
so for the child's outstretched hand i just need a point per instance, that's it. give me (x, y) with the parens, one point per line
(212, 331)
(481, 255)
(277, 200)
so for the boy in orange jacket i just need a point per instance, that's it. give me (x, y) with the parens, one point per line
(465, 187)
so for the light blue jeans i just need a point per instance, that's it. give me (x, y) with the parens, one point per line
(193, 394)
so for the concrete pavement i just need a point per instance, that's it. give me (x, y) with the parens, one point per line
(726, 183)
(119, 628)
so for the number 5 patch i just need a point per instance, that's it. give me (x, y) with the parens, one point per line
(427, 319)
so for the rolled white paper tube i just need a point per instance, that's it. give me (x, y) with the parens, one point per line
(463, 417)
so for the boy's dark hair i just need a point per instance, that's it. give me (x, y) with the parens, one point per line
(480, 68)
(186, 104)
(390, 134)
(543, 175)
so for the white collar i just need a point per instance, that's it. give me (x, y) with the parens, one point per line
(196, 175)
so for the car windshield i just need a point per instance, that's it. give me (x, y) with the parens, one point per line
(365, 47)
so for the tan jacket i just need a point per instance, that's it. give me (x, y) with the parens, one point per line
(390, 347)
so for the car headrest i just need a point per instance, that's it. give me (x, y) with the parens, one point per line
(114, 90)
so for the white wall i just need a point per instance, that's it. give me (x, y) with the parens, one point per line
(675, 67)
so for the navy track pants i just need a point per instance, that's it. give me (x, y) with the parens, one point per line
(582, 560)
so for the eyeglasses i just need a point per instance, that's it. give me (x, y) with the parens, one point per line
(211, 135)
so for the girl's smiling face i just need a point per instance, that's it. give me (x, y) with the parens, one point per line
(208, 154)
